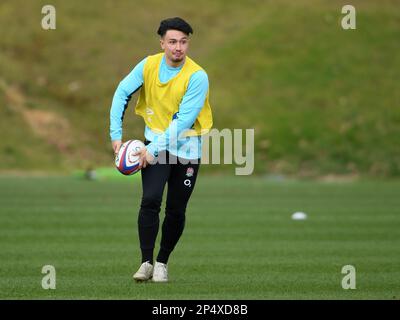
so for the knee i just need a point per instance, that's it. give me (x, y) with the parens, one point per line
(175, 212)
(149, 211)
(151, 203)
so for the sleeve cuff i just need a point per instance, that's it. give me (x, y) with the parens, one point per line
(151, 148)
(115, 136)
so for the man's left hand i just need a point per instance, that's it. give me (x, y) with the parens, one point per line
(145, 157)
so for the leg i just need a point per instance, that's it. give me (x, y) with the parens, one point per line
(180, 187)
(154, 178)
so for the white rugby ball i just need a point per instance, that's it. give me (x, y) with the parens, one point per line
(126, 162)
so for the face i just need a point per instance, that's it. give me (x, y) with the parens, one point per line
(175, 45)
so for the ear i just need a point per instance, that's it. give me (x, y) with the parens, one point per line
(162, 43)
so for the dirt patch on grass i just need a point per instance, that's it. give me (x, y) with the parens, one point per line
(48, 125)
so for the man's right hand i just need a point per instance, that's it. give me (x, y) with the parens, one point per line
(116, 145)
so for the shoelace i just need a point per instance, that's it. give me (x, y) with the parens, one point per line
(164, 266)
(144, 267)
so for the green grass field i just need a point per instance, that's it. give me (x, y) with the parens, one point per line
(239, 241)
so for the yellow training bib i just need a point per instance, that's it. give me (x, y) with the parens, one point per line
(158, 102)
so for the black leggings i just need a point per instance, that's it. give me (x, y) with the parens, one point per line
(181, 180)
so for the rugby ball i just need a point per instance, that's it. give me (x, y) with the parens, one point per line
(126, 162)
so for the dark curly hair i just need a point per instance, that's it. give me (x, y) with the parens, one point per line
(174, 24)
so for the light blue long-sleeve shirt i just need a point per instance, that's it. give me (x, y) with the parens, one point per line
(189, 108)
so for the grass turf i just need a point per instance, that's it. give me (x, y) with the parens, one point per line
(239, 241)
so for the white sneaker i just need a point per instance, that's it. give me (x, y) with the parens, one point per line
(160, 273)
(144, 273)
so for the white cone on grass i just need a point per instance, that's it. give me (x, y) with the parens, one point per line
(299, 216)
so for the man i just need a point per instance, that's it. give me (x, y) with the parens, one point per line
(173, 102)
